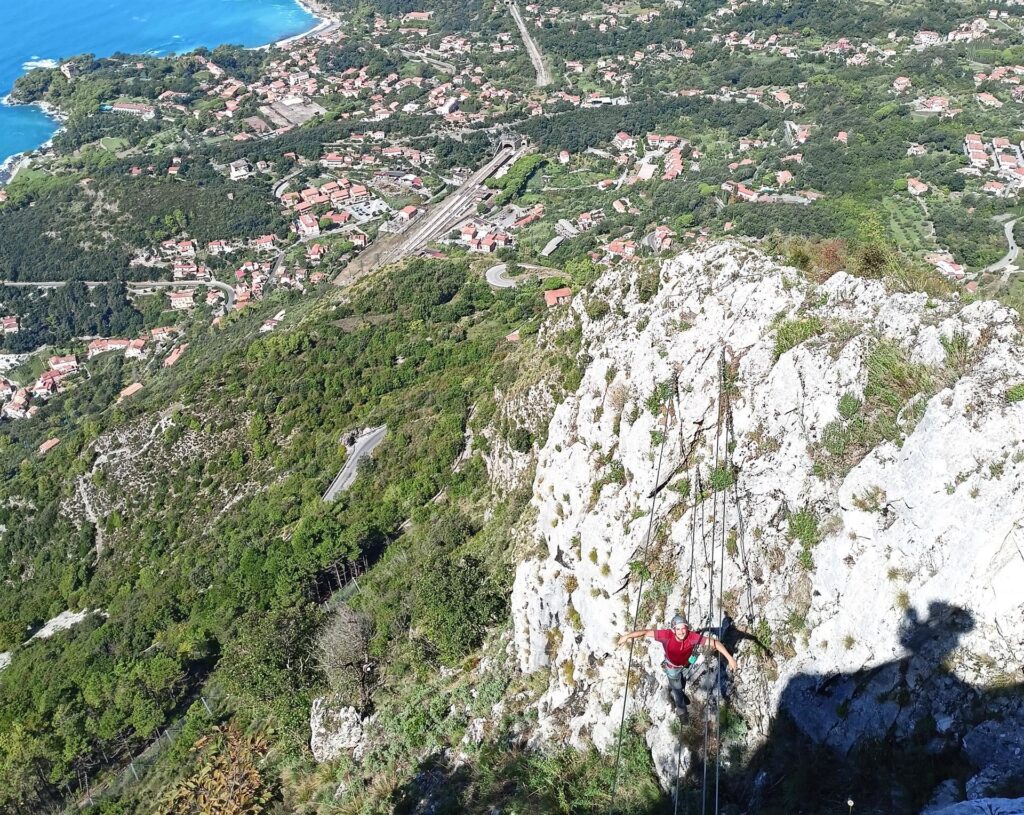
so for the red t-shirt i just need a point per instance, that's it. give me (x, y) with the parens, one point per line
(677, 651)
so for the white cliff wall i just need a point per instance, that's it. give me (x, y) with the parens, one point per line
(937, 518)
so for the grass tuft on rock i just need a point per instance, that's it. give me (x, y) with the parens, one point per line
(793, 332)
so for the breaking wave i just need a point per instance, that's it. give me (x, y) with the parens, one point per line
(35, 62)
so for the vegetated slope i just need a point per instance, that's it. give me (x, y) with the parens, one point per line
(842, 398)
(192, 516)
(874, 487)
(877, 461)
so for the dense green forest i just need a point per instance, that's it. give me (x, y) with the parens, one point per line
(56, 220)
(193, 595)
(59, 316)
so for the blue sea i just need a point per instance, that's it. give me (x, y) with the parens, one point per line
(36, 31)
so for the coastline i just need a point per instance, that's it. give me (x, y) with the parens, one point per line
(12, 165)
(324, 20)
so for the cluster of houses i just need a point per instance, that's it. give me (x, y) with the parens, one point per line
(583, 222)
(334, 204)
(182, 255)
(483, 238)
(1008, 75)
(998, 157)
(24, 402)
(976, 29)
(486, 236)
(663, 156)
(249, 276)
(945, 265)
(368, 167)
(369, 150)
(297, 79)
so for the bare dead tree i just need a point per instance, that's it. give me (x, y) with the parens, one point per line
(343, 654)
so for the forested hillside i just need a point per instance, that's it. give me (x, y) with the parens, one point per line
(204, 562)
(705, 309)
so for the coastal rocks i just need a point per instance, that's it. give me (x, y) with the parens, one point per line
(875, 527)
(335, 730)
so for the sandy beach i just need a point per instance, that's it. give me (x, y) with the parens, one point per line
(12, 166)
(325, 20)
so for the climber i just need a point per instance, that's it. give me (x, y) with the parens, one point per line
(680, 641)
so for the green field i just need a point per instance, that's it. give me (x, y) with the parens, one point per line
(113, 143)
(907, 225)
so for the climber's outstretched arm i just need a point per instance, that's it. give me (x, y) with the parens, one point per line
(718, 646)
(633, 635)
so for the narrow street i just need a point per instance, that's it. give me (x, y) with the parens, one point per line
(229, 293)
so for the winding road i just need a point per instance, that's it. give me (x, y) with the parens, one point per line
(282, 185)
(1005, 263)
(536, 57)
(364, 446)
(498, 277)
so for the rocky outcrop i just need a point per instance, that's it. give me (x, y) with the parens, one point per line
(335, 730)
(121, 478)
(876, 527)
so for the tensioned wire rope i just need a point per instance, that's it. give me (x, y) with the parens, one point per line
(723, 411)
(716, 524)
(695, 491)
(718, 537)
(636, 611)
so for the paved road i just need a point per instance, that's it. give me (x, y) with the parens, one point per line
(364, 446)
(498, 278)
(280, 186)
(536, 57)
(229, 293)
(1006, 261)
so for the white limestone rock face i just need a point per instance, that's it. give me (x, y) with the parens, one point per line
(335, 730)
(921, 552)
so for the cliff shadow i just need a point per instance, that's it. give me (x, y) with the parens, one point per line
(892, 737)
